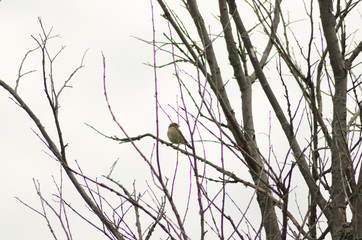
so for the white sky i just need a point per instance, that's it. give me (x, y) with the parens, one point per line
(106, 26)
(98, 26)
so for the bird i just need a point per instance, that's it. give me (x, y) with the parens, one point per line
(175, 135)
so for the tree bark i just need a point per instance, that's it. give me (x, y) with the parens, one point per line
(269, 217)
(340, 153)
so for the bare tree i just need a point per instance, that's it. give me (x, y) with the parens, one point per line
(324, 143)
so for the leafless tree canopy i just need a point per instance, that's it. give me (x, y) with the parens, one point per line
(244, 47)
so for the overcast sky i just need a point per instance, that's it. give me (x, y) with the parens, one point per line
(106, 26)
(90, 27)
(110, 27)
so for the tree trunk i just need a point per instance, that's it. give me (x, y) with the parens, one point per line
(340, 153)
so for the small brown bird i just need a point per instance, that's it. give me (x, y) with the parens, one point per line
(175, 135)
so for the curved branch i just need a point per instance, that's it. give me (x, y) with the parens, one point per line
(53, 148)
